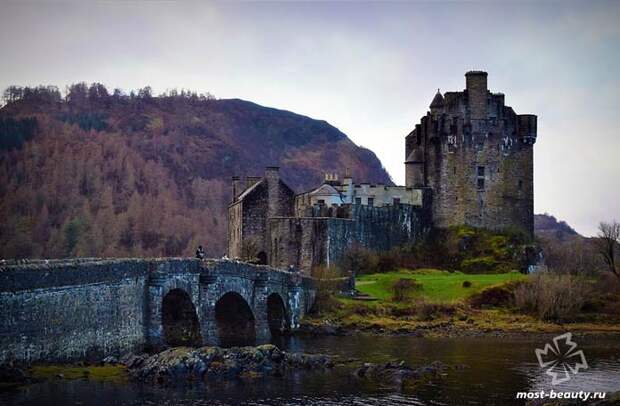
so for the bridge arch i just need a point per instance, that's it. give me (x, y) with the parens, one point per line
(179, 319)
(236, 324)
(277, 315)
(262, 258)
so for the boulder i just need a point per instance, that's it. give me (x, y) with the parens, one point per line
(399, 375)
(214, 363)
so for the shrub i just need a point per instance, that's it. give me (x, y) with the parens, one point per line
(479, 265)
(327, 283)
(363, 261)
(427, 311)
(403, 288)
(552, 296)
(361, 309)
(400, 311)
(494, 296)
(466, 284)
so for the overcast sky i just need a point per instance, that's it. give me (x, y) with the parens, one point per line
(370, 69)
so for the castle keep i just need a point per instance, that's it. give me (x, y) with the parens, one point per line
(468, 161)
(476, 155)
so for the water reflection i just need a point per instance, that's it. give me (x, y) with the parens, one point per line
(495, 370)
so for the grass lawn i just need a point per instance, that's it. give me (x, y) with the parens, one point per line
(437, 286)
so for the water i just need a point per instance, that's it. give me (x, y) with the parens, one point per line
(495, 370)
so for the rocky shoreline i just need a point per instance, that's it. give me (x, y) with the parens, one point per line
(437, 330)
(216, 364)
(187, 365)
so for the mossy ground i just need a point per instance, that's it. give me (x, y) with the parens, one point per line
(440, 307)
(107, 373)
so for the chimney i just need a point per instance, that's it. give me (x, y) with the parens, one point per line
(251, 181)
(476, 85)
(272, 176)
(331, 178)
(237, 187)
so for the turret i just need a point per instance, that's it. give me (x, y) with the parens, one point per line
(476, 86)
(437, 103)
(526, 128)
(414, 168)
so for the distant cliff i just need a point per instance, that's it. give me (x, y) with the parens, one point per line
(547, 226)
(107, 174)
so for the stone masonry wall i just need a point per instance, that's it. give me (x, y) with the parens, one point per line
(307, 242)
(63, 311)
(476, 155)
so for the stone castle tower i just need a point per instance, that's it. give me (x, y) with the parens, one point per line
(476, 155)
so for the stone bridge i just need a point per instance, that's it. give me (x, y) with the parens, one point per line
(88, 308)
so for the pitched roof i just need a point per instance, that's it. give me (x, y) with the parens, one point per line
(249, 190)
(325, 190)
(437, 100)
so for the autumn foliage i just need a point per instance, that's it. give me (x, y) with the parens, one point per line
(107, 174)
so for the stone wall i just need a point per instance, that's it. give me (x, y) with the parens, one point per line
(382, 228)
(68, 310)
(307, 242)
(76, 309)
(247, 215)
(253, 222)
(235, 222)
(476, 155)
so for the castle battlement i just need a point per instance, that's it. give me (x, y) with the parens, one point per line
(476, 155)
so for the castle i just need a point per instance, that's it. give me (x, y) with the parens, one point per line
(468, 161)
(476, 155)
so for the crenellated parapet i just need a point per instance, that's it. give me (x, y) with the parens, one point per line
(476, 156)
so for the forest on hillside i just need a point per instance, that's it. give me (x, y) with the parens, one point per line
(99, 173)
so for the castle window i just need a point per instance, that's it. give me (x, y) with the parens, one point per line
(397, 201)
(480, 179)
(520, 184)
(371, 201)
(454, 170)
(321, 202)
(358, 200)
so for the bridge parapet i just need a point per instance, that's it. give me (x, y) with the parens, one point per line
(67, 309)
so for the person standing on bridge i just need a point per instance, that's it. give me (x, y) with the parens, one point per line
(200, 253)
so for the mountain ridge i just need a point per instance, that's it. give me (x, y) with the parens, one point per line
(114, 175)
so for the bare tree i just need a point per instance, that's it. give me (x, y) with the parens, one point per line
(608, 240)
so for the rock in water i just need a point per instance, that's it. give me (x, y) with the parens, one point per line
(214, 363)
(398, 374)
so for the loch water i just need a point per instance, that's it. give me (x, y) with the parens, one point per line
(492, 371)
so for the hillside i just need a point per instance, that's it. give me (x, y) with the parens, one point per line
(99, 174)
(547, 226)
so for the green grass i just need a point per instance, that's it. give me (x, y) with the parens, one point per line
(437, 286)
(99, 373)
